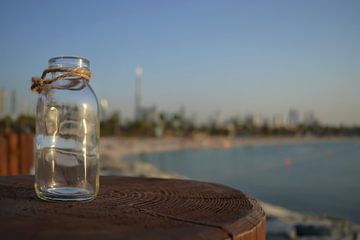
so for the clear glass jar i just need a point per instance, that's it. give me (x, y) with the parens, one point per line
(67, 136)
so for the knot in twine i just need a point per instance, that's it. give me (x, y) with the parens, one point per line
(39, 83)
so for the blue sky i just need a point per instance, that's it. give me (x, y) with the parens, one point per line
(236, 57)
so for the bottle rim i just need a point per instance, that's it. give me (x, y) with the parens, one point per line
(66, 61)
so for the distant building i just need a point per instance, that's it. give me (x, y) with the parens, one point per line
(309, 118)
(104, 105)
(149, 114)
(230, 126)
(193, 119)
(253, 120)
(278, 121)
(137, 109)
(182, 112)
(249, 119)
(25, 108)
(2, 103)
(293, 118)
(13, 104)
(258, 121)
(214, 120)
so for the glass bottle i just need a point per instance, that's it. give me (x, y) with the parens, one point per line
(67, 136)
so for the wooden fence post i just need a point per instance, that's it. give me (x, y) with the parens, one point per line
(3, 156)
(30, 151)
(23, 154)
(26, 154)
(13, 163)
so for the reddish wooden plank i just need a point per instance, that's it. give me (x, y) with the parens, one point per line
(12, 148)
(26, 152)
(3, 156)
(30, 151)
(23, 154)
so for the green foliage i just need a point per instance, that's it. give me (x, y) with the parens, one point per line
(5, 125)
(24, 123)
(110, 126)
(176, 125)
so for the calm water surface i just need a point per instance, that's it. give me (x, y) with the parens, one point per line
(319, 178)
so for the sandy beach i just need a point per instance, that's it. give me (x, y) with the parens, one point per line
(113, 150)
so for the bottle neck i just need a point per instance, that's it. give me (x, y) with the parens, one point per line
(70, 81)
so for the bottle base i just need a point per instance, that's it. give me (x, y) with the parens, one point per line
(65, 194)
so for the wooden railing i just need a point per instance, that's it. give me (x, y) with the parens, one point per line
(16, 153)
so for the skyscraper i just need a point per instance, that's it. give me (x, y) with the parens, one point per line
(104, 105)
(2, 102)
(293, 117)
(278, 120)
(137, 110)
(309, 118)
(25, 108)
(13, 105)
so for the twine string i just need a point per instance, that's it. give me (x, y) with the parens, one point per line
(39, 83)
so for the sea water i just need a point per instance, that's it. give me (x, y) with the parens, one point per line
(318, 178)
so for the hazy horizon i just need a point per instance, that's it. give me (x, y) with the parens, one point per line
(236, 57)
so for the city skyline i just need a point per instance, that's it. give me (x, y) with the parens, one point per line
(10, 107)
(230, 57)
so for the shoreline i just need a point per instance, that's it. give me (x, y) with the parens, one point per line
(281, 221)
(123, 146)
(114, 150)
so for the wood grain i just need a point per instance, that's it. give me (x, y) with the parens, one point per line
(132, 208)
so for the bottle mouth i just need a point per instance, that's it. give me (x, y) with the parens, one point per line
(69, 62)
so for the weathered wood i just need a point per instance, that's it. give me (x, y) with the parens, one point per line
(3, 157)
(29, 137)
(12, 151)
(16, 153)
(26, 153)
(23, 154)
(132, 208)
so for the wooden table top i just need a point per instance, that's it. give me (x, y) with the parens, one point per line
(132, 208)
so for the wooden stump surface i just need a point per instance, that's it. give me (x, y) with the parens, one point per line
(132, 208)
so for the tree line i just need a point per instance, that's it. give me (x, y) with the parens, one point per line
(178, 126)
